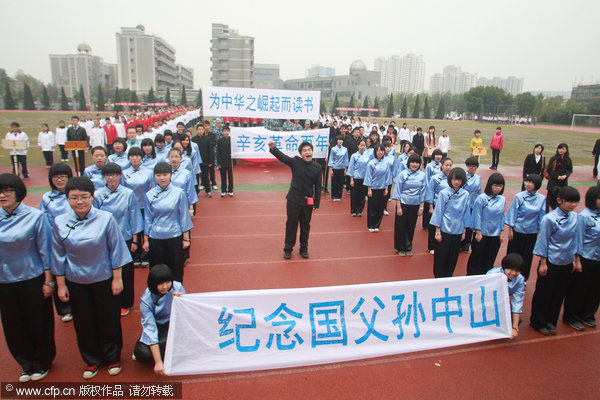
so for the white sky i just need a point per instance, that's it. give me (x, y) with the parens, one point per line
(551, 43)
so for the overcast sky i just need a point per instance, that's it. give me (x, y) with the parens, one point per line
(551, 43)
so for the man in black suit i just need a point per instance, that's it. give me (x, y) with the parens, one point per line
(77, 133)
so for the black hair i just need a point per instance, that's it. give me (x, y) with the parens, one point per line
(159, 273)
(82, 183)
(148, 142)
(472, 161)
(168, 133)
(188, 149)
(98, 148)
(136, 151)
(495, 179)
(361, 140)
(436, 152)
(513, 261)
(59, 169)
(303, 145)
(15, 124)
(130, 127)
(46, 125)
(568, 193)
(162, 168)
(539, 145)
(386, 143)
(339, 137)
(226, 127)
(139, 126)
(591, 196)
(75, 117)
(561, 146)
(122, 141)
(180, 123)
(535, 179)
(112, 169)
(12, 181)
(457, 173)
(376, 148)
(158, 139)
(498, 128)
(476, 131)
(446, 159)
(413, 158)
(419, 129)
(199, 124)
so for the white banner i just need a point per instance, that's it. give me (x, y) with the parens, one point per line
(280, 328)
(253, 142)
(260, 103)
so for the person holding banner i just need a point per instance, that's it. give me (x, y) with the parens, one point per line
(304, 195)
(18, 156)
(357, 170)
(155, 307)
(225, 162)
(338, 162)
(76, 133)
(376, 181)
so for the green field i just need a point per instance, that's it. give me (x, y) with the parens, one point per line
(518, 140)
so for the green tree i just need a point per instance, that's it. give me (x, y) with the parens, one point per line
(426, 109)
(404, 110)
(183, 100)
(336, 104)
(45, 99)
(134, 98)
(9, 103)
(376, 105)
(322, 106)
(390, 107)
(168, 97)
(351, 104)
(64, 102)
(81, 99)
(441, 110)
(151, 98)
(365, 113)
(487, 100)
(594, 107)
(117, 99)
(525, 103)
(100, 99)
(417, 109)
(199, 98)
(28, 103)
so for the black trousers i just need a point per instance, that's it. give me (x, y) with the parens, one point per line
(325, 177)
(169, 252)
(386, 198)
(446, 256)
(495, 157)
(64, 155)
(97, 321)
(357, 196)
(48, 157)
(297, 215)
(62, 308)
(28, 323)
(375, 207)
(142, 351)
(465, 244)
(583, 293)
(347, 183)
(483, 255)
(549, 295)
(226, 179)
(426, 215)
(595, 170)
(127, 274)
(337, 183)
(205, 177)
(20, 160)
(523, 244)
(79, 167)
(432, 244)
(211, 171)
(323, 163)
(404, 227)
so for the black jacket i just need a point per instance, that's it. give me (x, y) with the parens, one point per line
(563, 166)
(78, 134)
(306, 179)
(224, 152)
(531, 167)
(596, 150)
(418, 141)
(351, 144)
(206, 148)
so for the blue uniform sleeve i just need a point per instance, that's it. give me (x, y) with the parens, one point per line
(516, 304)
(368, 178)
(423, 190)
(438, 212)
(185, 221)
(148, 216)
(178, 287)
(430, 194)
(351, 165)
(135, 215)
(42, 240)
(581, 225)
(59, 255)
(511, 215)
(466, 217)
(398, 187)
(149, 327)
(346, 159)
(117, 248)
(542, 213)
(190, 190)
(541, 244)
(476, 214)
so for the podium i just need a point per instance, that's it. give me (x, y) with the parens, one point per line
(12, 145)
(75, 146)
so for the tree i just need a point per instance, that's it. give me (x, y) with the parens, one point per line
(351, 104)
(322, 106)
(441, 110)
(9, 103)
(183, 100)
(151, 98)
(525, 103)
(365, 113)
(390, 107)
(134, 98)
(417, 109)
(199, 98)
(404, 111)
(336, 104)
(100, 99)
(81, 99)
(168, 97)
(28, 103)
(376, 105)
(117, 99)
(64, 102)
(45, 99)
(488, 99)
(426, 109)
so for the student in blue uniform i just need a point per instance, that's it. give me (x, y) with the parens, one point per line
(473, 186)
(122, 203)
(183, 178)
(357, 170)
(186, 161)
(376, 179)
(160, 148)
(338, 162)
(149, 159)
(167, 222)
(401, 165)
(511, 267)
(120, 154)
(190, 150)
(583, 292)
(450, 217)
(168, 139)
(409, 193)
(94, 172)
(556, 246)
(431, 169)
(155, 307)
(26, 284)
(390, 159)
(88, 252)
(487, 223)
(523, 221)
(435, 185)
(53, 204)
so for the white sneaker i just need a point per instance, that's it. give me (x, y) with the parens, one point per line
(431, 251)
(133, 357)
(376, 230)
(215, 187)
(371, 230)
(230, 194)
(201, 187)
(402, 253)
(115, 370)
(67, 318)
(25, 377)
(90, 372)
(38, 376)
(385, 212)
(222, 194)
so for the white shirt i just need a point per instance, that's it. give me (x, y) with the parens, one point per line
(444, 143)
(97, 137)
(19, 136)
(404, 134)
(120, 129)
(61, 135)
(412, 135)
(46, 140)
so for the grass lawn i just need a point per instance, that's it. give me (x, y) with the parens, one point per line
(518, 141)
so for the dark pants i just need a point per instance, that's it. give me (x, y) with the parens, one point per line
(97, 321)
(297, 215)
(375, 209)
(213, 179)
(386, 198)
(204, 177)
(62, 308)
(325, 178)
(595, 170)
(495, 158)
(28, 323)
(483, 255)
(169, 252)
(465, 244)
(79, 167)
(549, 295)
(142, 351)
(64, 155)
(337, 183)
(357, 197)
(404, 227)
(583, 293)
(226, 179)
(523, 244)
(432, 244)
(446, 256)
(323, 163)
(426, 215)
(20, 160)
(48, 157)
(127, 274)
(347, 183)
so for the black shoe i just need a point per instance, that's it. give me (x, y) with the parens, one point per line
(304, 253)
(552, 329)
(578, 326)
(590, 322)
(464, 250)
(287, 254)
(544, 331)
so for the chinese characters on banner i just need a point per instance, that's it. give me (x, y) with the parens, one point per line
(260, 103)
(280, 328)
(253, 142)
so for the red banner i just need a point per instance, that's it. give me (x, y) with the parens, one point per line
(357, 109)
